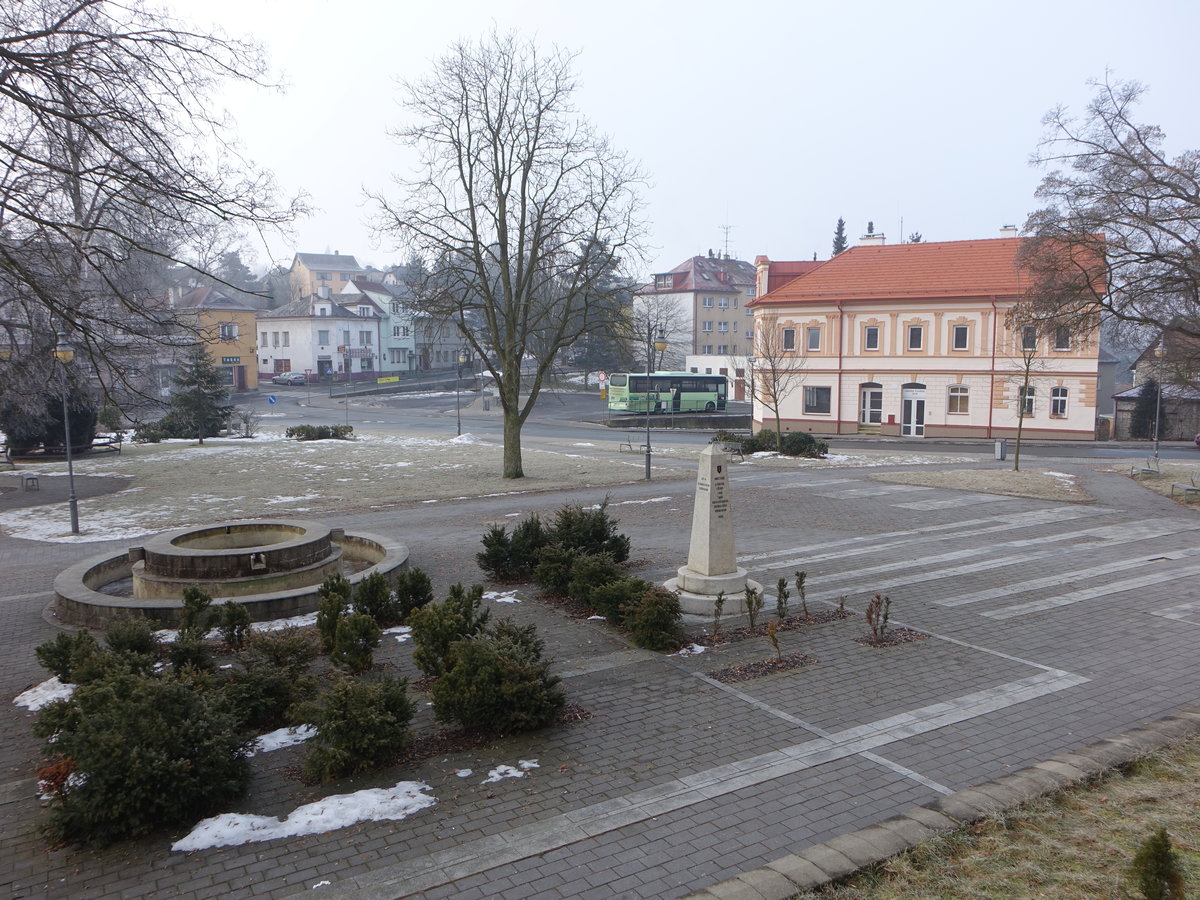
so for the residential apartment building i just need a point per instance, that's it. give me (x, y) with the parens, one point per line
(226, 327)
(319, 337)
(915, 340)
(702, 302)
(312, 271)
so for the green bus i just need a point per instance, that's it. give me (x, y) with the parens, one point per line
(631, 392)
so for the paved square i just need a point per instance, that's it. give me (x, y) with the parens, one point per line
(1051, 625)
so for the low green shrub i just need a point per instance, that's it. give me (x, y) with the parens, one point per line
(62, 654)
(195, 620)
(654, 620)
(188, 652)
(360, 724)
(373, 597)
(355, 641)
(513, 557)
(333, 601)
(320, 432)
(146, 752)
(261, 694)
(131, 634)
(589, 531)
(292, 649)
(614, 599)
(553, 571)
(436, 626)
(589, 572)
(1156, 869)
(413, 590)
(795, 443)
(233, 621)
(499, 683)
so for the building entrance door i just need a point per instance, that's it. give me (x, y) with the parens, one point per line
(871, 408)
(912, 419)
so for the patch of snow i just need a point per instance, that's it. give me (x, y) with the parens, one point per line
(291, 622)
(273, 500)
(280, 738)
(517, 771)
(467, 438)
(502, 596)
(401, 632)
(690, 650)
(464, 773)
(591, 618)
(650, 500)
(321, 884)
(336, 811)
(42, 694)
(583, 444)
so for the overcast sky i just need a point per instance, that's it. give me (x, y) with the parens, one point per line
(771, 118)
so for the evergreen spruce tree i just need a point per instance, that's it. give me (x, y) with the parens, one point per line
(839, 237)
(197, 404)
(1141, 421)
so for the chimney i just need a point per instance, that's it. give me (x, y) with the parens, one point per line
(1008, 231)
(874, 239)
(323, 292)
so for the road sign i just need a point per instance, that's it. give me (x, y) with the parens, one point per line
(602, 377)
(270, 398)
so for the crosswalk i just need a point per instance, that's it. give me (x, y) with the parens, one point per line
(1101, 556)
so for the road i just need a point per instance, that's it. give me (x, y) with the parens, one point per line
(577, 414)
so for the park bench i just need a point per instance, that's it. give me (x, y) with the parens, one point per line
(1192, 487)
(733, 448)
(107, 443)
(1150, 468)
(632, 438)
(5, 459)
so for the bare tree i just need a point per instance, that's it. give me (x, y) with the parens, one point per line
(1121, 229)
(111, 164)
(658, 314)
(522, 213)
(778, 369)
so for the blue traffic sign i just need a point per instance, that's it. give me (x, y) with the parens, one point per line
(270, 398)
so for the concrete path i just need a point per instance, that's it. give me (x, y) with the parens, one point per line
(1050, 626)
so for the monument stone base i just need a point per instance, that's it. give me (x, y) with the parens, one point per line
(698, 593)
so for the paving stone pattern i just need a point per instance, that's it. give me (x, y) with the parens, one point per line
(678, 783)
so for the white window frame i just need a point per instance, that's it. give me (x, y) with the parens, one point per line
(1027, 400)
(958, 400)
(706, 326)
(1062, 338)
(707, 303)
(816, 397)
(789, 339)
(868, 331)
(965, 331)
(1059, 400)
(812, 339)
(723, 303)
(723, 326)
(323, 337)
(919, 331)
(1029, 341)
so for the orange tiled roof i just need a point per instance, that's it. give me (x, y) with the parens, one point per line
(906, 271)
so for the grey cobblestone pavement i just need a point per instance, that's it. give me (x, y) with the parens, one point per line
(1050, 626)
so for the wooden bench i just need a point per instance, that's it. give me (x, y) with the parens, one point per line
(1150, 468)
(107, 443)
(5, 459)
(1192, 487)
(734, 449)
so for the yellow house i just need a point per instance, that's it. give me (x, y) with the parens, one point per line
(311, 272)
(227, 329)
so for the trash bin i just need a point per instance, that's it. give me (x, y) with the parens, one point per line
(487, 401)
(1001, 448)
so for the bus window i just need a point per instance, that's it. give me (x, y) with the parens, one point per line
(618, 380)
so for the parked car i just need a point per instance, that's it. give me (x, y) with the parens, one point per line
(290, 378)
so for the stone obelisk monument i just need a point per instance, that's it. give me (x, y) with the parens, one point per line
(712, 561)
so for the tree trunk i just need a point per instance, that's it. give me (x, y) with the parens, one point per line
(778, 432)
(512, 442)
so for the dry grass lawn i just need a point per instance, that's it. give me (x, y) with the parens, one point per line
(1072, 846)
(1037, 484)
(1161, 484)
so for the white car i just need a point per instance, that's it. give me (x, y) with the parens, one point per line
(290, 378)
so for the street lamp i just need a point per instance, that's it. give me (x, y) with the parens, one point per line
(462, 361)
(660, 345)
(65, 353)
(1158, 355)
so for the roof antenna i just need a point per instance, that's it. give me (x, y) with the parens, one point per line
(727, 228)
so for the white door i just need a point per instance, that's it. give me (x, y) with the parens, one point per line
(912, 421)
(871, 406)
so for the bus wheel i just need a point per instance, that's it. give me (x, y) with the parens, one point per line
(709, 406)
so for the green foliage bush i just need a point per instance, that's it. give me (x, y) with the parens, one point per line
(320, 432)
(233, 621)
(795, 443)
(359, 725)
(553, 571)
(188, 652)
(589, 531)
(589, 572)
(437, 626)
(333, 601)
(132, 634)
(147, 752)
(499, 683)
(355, 641)
(261, 694)
(292, 649)
(413, 590)
(1156, 870)
(513, 557)
(62, 655)
(654, 620)
(373, 597)
(614, 599)
(194, 621)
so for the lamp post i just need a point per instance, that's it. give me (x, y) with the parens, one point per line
(462, 361)
(65, 353)
(1158, 355)
(660, 344)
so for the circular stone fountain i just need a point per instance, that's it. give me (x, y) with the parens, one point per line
(273, 568)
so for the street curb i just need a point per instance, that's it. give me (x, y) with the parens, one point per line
(846, 854)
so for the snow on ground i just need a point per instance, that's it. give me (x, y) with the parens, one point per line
(401, 632)
(280, 738)
(290, 622)
(502, 596)
(45, 693)
(336, 811)
(690, 650)
(642, 502)
(464, 773)
(518, 771)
